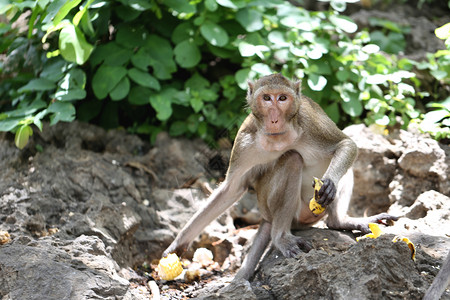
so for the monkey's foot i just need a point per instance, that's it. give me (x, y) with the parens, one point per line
(291, 245)
(361, 224)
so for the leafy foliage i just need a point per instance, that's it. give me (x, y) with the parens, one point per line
(183, 66)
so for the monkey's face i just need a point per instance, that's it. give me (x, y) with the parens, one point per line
(274, 108)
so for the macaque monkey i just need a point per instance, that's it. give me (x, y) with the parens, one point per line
(285, 142)
(440, 283)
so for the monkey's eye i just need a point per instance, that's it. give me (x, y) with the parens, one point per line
(282, 98)
(266, 98)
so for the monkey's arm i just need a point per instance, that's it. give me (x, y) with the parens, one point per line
(230, 191)
(344, 154)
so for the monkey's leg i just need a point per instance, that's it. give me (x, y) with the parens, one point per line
(441, 281)
(337, 211)
(257, 249)
(279, 198)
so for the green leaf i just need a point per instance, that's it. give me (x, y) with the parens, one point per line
(232, 3)
(214, 34)
(22, 136)
(162, 105)
(73, 45)
(332, 111)
(353, 107)
(62, 111)
(144, 79)
(64, 10)
(177, 128)
(127, 13)
(187, 54)
(139, 95)
(38, 84)
(338, 5)
(181, 6)
(196, 104)
(241, 77)
(250, 19)
(344, 23)
(443, 32)
(54, 69)
(130, 36)
(121, 90)
(196, 82)
(161, 56)
(182, 32)
(211, 5)
(9, 124)
(141, 59)
(436, 116)
(105, 80)
(316, 82)
(111, 54)
(71, 87)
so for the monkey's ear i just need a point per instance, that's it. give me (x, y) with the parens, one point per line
(298, 87)
(251, 86)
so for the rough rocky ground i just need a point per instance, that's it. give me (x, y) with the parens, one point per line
(88, 212)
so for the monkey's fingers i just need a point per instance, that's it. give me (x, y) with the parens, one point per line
(327, 192)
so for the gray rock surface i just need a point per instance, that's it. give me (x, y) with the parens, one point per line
(88, 210)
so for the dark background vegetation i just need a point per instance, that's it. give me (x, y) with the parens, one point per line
(182, 66)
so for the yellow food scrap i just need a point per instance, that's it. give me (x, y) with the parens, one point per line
(408, 242)
(170, 267)
(376, 232)
(315, 207)
(4, 237)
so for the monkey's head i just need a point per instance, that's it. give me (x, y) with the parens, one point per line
(274, 101)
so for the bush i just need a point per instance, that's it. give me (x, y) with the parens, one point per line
(183, 66)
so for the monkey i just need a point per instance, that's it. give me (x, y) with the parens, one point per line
(440, 283)
(284, 142)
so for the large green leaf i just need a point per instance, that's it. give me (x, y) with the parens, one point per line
(38, 84)
(61, 111)
(182, 32)
(161, 56)
(214, 34)
(9, 124)
(187, 54)
(71, 87)
(121, 90)
(161, 102)
(106, 78)
(139, 95)
(250, 19)
(73, 45)
(64, 10)
(144, 79)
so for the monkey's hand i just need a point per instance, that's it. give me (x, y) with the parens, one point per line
(327, 192)
(175, 248)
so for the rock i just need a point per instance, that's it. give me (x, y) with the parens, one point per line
(78, 270)
(374, 169)
(94, 201)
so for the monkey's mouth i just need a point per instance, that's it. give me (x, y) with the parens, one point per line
(275, 133)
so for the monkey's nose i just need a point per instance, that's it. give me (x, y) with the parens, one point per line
(275, 122)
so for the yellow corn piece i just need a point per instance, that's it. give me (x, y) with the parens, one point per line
(376, 232)
(315, 207)
(409, 243)
(170, 267)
